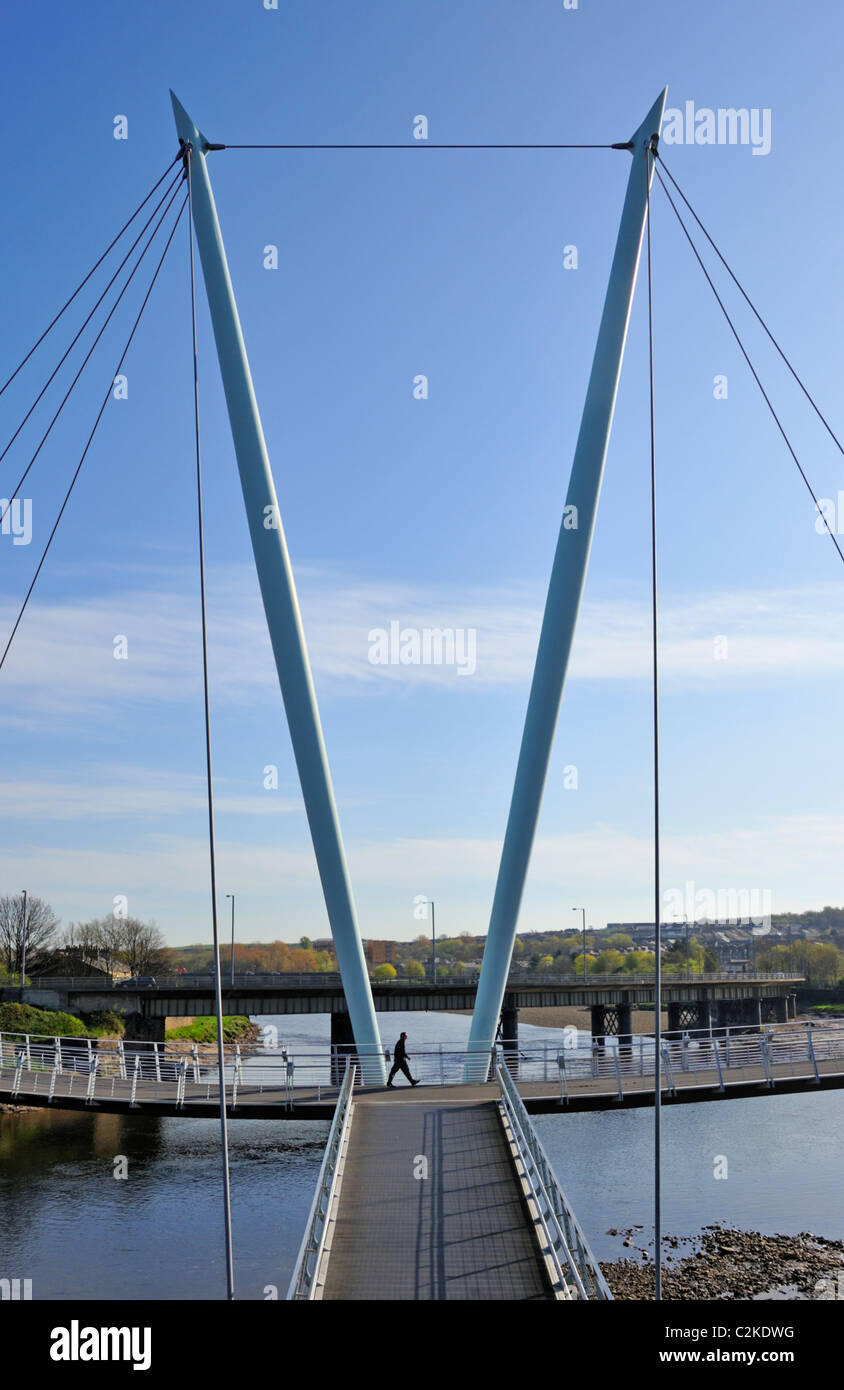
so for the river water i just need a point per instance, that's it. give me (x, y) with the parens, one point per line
(78, 1231)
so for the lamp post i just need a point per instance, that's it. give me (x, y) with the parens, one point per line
(583, 910)
(231, 895)
(23, 953)
(433, 945)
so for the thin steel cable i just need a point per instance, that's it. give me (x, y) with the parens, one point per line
(218, 989)
(75, 340)
(743, 292)
(88, 356)
(84, 282)
(420, 144)
(106, 400)
(753, 370)
(657, 886)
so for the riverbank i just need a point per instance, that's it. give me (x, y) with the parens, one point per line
(729, 1264)
(236, 1029)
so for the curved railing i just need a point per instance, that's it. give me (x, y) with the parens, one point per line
(308, 1279)
(578, 1274)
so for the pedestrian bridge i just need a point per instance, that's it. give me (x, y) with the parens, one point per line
(433, 1199)
(576, 1073)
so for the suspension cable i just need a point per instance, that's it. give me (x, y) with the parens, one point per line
(753, 370)
(218, 992)
(420, 145)
(75, 340)
(100, 414)
(84, 282)
(649, 164)
(742, 291)
(89, 354)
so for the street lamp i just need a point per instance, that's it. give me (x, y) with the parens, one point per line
(23, 954)
(583, 910)
(433, 945)
(231, 895)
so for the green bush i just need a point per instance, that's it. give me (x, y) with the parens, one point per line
(204, 1030)
(24, 1018)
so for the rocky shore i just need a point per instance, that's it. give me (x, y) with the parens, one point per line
(729, 1264)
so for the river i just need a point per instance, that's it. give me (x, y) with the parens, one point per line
(78, 1231)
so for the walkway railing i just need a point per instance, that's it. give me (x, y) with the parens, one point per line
(578, 1274)
(309, 1275)
(181, 1072)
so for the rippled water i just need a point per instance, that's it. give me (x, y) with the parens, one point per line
(77, 1232)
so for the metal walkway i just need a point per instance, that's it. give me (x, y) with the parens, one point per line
(430, 1199)
(461, 1232)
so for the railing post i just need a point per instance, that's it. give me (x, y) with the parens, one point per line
(121, 1057)
(135, 1072)
(814, 1059)
(58, 1047)
(618, 1073)
(16, 1084)
(92, 1078)
(564, 1080)
(764, 1048)
(718, 1064)
(157, 1061)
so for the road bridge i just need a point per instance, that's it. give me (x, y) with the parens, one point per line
(705, 1001)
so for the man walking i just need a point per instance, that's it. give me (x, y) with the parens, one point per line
(400, 1064)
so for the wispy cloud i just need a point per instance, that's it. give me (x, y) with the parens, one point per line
(64, 662)
(165, 876)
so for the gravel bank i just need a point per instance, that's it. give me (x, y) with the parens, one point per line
(728, 1264)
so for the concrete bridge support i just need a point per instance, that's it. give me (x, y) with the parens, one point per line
(141, 1028)
(342, 1045)
(509, 1036)
(774, 1010)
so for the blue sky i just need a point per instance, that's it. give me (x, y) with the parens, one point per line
(440, 512)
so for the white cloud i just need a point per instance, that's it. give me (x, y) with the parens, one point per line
(63, 660)
(610, 869)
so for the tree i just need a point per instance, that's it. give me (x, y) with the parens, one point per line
(414, 969)
(97, 941)
(38, 930)
(577, 963)
(609, 962)
(384, 972)
(141, 946)
(545, 963)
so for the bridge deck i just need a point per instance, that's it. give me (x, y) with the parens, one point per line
(463, 1232)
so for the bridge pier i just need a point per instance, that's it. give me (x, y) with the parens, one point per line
(509, 1035)
(143, 1028)
(612, 1021)
(774, 1010)
(687, 1016)
(342, 1045)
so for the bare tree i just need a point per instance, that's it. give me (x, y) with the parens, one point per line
(38, 929)
(98, 942)
(141, 946)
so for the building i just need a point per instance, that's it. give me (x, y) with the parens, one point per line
(381, 952)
